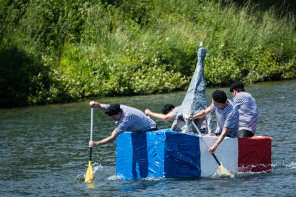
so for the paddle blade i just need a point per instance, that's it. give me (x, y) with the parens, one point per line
(89, 173)
(225, 172)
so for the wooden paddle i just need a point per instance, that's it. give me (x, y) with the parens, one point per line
(223, 170)
(89, 173)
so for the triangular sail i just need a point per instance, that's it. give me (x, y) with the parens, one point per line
(195, 100)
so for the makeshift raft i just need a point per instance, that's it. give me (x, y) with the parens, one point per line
(169, 154)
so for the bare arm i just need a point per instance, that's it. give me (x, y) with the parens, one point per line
(97, 105)
(112, 137)
(219, 140)
(200, 114)
(160, 116)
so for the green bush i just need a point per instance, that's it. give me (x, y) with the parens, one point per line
(23, 78)
(62, 51)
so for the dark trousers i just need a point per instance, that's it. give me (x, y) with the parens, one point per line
(153, 129)
(244, 133)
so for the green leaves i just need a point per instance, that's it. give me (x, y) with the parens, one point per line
(68, 50)
(23, 78)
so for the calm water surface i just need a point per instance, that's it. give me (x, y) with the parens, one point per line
(44, 150)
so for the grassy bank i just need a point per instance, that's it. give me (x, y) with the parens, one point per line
(74, 49)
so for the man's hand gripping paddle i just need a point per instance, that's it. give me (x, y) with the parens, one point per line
(224, 171)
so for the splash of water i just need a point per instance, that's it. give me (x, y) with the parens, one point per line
(292, 165)
(81, 177)
(224, 173)
(96, 166)
(284, 164)
(116, 177)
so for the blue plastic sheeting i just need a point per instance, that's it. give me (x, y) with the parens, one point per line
(162, 153)
(195, 99)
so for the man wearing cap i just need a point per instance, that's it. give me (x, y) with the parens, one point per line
(247, 108)
(126, 119)
(226, 114)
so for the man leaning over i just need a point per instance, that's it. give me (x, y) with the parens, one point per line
(126, 119)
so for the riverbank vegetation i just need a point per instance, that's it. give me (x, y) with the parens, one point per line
(59, 51)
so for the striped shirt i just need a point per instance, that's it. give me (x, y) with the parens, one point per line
(248, 111)
(175, 111)
(133, 120)
(228, 118)
(180, 122)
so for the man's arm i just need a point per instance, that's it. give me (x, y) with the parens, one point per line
(112, 137)
(97, 105)
(219, 140)
(164, 117)
(200, 114)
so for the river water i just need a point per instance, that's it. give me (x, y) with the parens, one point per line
(44, 150)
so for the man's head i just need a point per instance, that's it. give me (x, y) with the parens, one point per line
(237, 86)
(167, 108)
(219, 96)
(114, 111)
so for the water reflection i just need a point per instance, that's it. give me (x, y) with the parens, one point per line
(91, 184)
(42, 147)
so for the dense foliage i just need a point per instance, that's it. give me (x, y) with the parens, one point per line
(58, 51)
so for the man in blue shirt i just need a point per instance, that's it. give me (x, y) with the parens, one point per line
(126, 119)
(247, 108)
(226, 115)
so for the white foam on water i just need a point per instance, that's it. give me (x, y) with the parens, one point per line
(224, 174)
(292, 165)
(284, 164)
(115, 177)
(96, 166)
